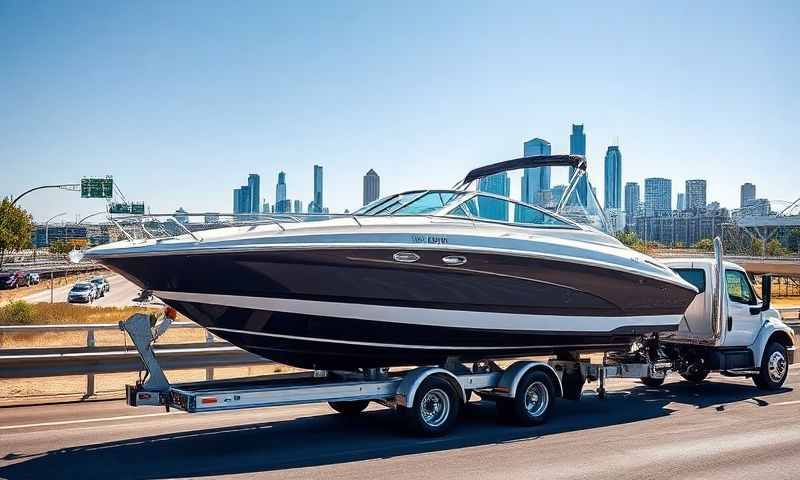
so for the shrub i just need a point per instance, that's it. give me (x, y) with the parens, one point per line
(17, 313)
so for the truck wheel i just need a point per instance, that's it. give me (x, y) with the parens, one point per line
(695, 376)
(532, 403)
(774, 368)
(435, 409)
(350, 408)
(652, 382)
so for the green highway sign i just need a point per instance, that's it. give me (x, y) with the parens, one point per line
(137, 208)
(119, 208)
(97, 187)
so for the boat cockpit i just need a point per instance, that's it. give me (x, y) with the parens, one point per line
(565, 206)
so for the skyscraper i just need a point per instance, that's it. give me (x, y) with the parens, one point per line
(280, 194)
(681, 201)
(747, 193)
(372, 187)
(577, 146)
(241, 199)
(318, 206)
(494, 208)
(631, 201)
(695, 194)
(298, 206)
(657, 195)
(613, 178)
(254, 184)
(535, 180)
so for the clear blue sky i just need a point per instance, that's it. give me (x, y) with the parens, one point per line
(181, 100)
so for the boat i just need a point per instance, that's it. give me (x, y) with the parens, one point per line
(416, 278)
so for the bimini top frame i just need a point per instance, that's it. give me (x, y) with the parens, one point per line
(575, 161)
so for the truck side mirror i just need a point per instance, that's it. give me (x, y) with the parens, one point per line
(766, 291)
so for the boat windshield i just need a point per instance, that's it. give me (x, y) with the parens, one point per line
(495, 208)
(412, 203)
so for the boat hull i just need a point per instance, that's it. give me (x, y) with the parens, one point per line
(344, 308)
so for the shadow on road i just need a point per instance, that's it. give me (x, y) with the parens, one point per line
(331, 439)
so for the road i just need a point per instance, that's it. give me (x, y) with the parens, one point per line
(121, 295)
(722, 429)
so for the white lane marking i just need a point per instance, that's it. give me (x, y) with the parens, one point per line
(789, 402)
(428, 316)
(85, 420)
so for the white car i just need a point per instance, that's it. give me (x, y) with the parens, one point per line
(82, 292)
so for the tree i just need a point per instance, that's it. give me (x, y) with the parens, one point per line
(794, 240)
(705, 244)
(775, 249)
(629, 239)
(60, 246)
(756, 247)
(16, 226)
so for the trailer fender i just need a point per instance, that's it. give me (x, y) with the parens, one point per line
(507, 386)
(404, 396)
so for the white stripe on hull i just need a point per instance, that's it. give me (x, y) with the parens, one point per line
(401, 345)
(429, 316)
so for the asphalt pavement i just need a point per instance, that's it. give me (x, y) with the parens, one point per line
(121, 294)
(721, 429)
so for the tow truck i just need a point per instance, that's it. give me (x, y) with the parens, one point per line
(726, 329)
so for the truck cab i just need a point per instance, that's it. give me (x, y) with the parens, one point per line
(729, 327)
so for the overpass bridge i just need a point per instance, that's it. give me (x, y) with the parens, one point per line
(779, 266)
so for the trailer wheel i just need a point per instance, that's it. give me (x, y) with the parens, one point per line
(435, 409)
(652, 382)
(532, 403)
(774, 368)
(349, 408)
(695, 376)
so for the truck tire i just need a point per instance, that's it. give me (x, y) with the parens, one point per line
(774, 368)
(349, 408)
(435, 409)
(652, 382)
(533, 401)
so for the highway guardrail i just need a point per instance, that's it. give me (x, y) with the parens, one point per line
(91, 359)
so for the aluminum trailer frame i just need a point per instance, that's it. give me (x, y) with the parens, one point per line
(524, 391)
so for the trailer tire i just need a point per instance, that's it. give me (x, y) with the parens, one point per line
(349, 408)
(435, 409)
(652, 382)
(774, 368)
(696, 376)
(532, 403)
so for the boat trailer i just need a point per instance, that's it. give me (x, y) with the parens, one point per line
(428, 397)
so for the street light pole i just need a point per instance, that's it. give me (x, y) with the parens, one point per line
(47, 228)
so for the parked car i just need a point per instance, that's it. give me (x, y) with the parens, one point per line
(13, 279)
(102, 286)
(82, 292)
(33, 278)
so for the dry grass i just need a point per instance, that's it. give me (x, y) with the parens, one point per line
(785, 302)
(70, 314)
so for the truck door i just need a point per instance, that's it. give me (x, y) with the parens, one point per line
(741, 326)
